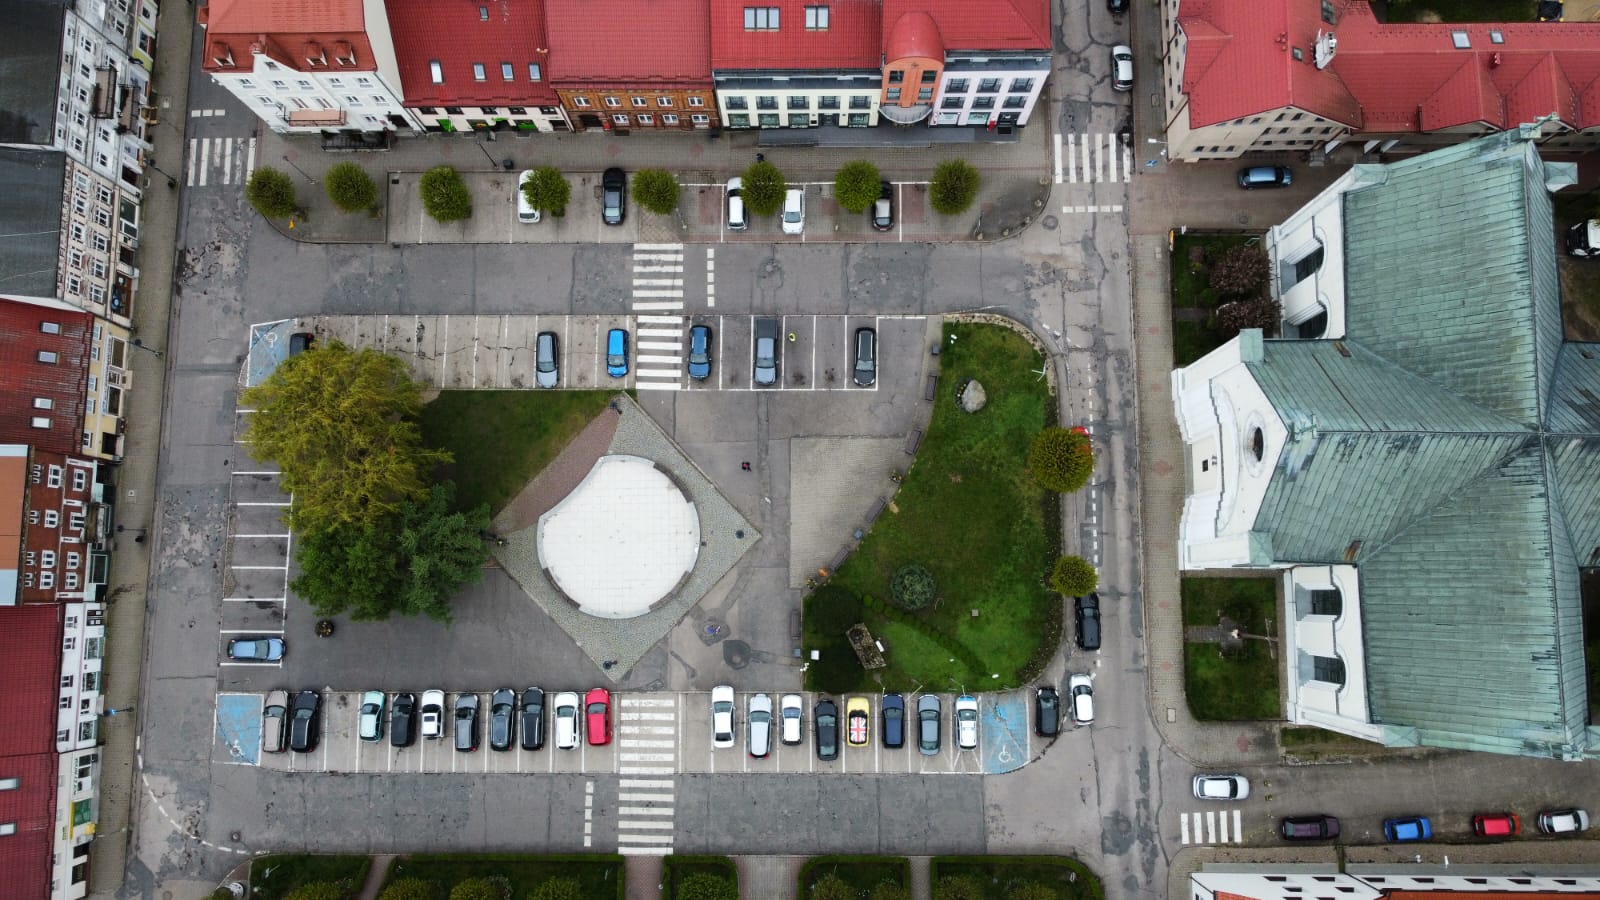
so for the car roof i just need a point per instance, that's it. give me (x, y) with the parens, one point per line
(761, 701)
(566, 697)
(927, 701)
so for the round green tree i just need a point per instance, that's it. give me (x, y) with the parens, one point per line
(913, 587)
(831, 610)
(764, 186)
(856, 185)
(548, 190)
(445, 196)
(832, 887)
(1073, 576)
(958, 887)
(410, 889)
(1060, 459)
(271, 193)
(557, 889)
(954, 187)
(889, 890)
(706, 886)
(350, 187)
(656, 190)
(317, 890)
(480, 889)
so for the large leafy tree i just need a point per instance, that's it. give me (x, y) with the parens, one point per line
(548, 190)
(954, 187)
(342, 427)
(271, 192)
(764, 187)
(656, 190)
(445, 196)
(1060, 460)
(856, 185)
(350, 187)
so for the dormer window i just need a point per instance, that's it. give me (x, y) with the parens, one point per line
(315, 57)
(344, 53)
(221, 54)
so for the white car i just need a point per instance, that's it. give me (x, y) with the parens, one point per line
(758, 722)
(966, 722)
(722, 716)
(791, 710)
(794, 211)
(736, 217)
(566, 720)
(1563, 821)
(433, 714)
(527, 213)
(1080, 691)
(369, 725)
(1221, 787)
(1122, 67)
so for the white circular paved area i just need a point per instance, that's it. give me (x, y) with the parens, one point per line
(621, 540)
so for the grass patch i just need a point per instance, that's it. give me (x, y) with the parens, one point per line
(1000, 876)
(501, 439)
(969, 512)
(860, 872)
(273, 877)
(1248, 601)
(599, 875)
(1462, 11)
(1306, 736)
(1243, 685)
(1192, 297)
(1192, 340)
(676, 867)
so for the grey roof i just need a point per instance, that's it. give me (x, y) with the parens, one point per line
(30, 67)
(31, 183)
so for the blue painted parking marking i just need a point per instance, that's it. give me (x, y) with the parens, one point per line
(239, 728)
(269, 346)
(1004, 718)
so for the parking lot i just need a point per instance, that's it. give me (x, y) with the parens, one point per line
(255, 584)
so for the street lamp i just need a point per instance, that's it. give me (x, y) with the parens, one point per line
(298, 169)
(507, 164)
(139, 342)
(151, 164)
(1161, 142)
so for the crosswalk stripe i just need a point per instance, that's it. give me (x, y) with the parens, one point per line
(647, 247)
(655, 702)
(658, 386)
(649, 838)
(625, 850)
(631, 824)
(650, 770)
(658, 304)
(662, 320)
(646, 729)
(654, 373)
(641, 742)
(644, 798)
(643, 811)
(646, 782)
(675, 333)
(660, 345)
(1185, 820)
(648, 717)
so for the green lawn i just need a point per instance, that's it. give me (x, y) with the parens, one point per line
(1248, 601)
(860, 872)
(1192, 340)
(999, 876)
(1462, 11)
(501, 439)
(273, 877)
(1192, 255)
(1243, 684)
(599, 875)
(968, 511)
(675, 868)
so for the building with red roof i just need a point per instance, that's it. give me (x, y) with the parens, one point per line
(30, 669)
(63, 378)
(1309, 75)
(655, 73)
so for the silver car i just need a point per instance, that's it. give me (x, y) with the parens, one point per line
(547, 360)
(967, 722)
(369, 725)
(274, 716)
(928, 725)
(758, 724)
(766, 354)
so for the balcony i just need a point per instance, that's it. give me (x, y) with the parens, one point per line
(317, 117)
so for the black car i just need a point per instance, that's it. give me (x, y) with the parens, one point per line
(827, 729)
(1047, 712)
(1117, 7)
(305, 719)
(532, 719)
(614, 196)
(300, 342)
(502, 719)
(883, 207)
(1308, 828)
(1087, 611)
(403, 720)
(866, 368)
(466, 723)
(894, 721)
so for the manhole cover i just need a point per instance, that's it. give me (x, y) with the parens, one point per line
(1049, 223)
(736, 654)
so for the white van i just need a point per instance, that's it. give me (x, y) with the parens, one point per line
(527, 213)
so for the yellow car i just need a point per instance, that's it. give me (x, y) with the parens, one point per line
(858, 718)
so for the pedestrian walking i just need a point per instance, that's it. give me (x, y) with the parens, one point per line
(745, 466)
(761, 157)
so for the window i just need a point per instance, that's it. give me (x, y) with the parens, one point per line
(816, 18)
(77, 232)
(478, 73)
(924, 95)
(507, 71)
(44, 403)
(41, 422)
(52, 518)
(983, 103)
(989, 86)
(861, 101)
(669, 119)
(54, 480)
(86, 731)
(74, 559)
(930, 76)
(613, 102)
(453, 110)
(1298, 54)
(47, 560)
(699, 118)
(534, 72)
(977, 118)
(72, 581)
(1460, 40)
(638, 102)
(1021, 85)
(7, 828)
(1327, 668)
(47, 356)
(304, 85)
(518, 110)
(436, 70)
(767, 102)
(9, 784)
(75, 520)
(66, 703)
(646, 119)
(580, 102)
(1328, 14)
(799, 120)
(1016, 102)
(760, 18)
(67, 680)
(897, 76)
(739, 120)
(99, 243)
(483, 14)
(1326, 602)
(736, 103)
(859, 120)
(952, 103)
(619, 119)
(698, 102)
(799, 102)
(50, 327)
(767, 120)
(91, 650)
(956, 86)
(894, 94)
(664, 102)
(829, 102)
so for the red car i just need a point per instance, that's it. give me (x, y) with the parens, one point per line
(1496, 825)
(597, 716)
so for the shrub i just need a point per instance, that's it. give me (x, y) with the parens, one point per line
(485, 888)
(913, 587)
(656, 190)
(1060, 460)
(1242, 270)
(350, 187)
(1033, 890)
(557, 889)
(837, 669)
(889, 890)
(548, 190)
(855, 185)
(955, 186)
(706, 886)
(1073, 576)
(317, 890)
(445, 196)
(833, 609)
(832, 887)
(410, 889)
(764, 186)
(271, 193)
(1237, 315)
(958, 887)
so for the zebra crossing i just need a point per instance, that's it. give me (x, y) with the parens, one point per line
(1212, 827)
(647, 757)
(1092, 158)
(658, 309)
(220, 161)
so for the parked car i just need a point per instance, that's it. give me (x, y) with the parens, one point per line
(894, 721)
(1254, 177)
(1086, 611)
(858, 721)
(1080, 692)
(1496, 825)
(502, 719)
(403, 720)
(791, 712)
(369, 721)
(527, 213)
(866, 368)
(1563, 821)
(736, 216)
(928, 724)
(883, 207)
(758, 725)
(766, 352)
(305, 721)
(466, 727)
(1407, 829)
(1046, 712)
(274, 716)
(300, 342)
(617, 353)
(432, 714)
(966, 722)
(1122, 67)
(722, 716)
(1308, 828)
(826, 728)
(613, 196)
(547, 360)
(533, 719)
(1221, 787)
(1116, 7)
(256, 649)
(700, 352)
(597, 716)
(794, 211)
(566, 713)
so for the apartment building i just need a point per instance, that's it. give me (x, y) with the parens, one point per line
(63, 377)
(654, 74)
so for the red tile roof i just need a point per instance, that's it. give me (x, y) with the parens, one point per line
(30, 674)
(454, 35)
(23, 378)
(912, 35)
(850, 42)
(645, 42)
(288, 31)
(991, 25)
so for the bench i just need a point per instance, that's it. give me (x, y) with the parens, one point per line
(877, 510)
(913, 441)
(932, 389)
(838, 560)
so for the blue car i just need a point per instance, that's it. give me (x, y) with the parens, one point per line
(1407, 829)
(617, 353)
(256, 649)
(700, 352)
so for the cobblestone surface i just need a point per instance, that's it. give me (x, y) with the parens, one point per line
(834, 482)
